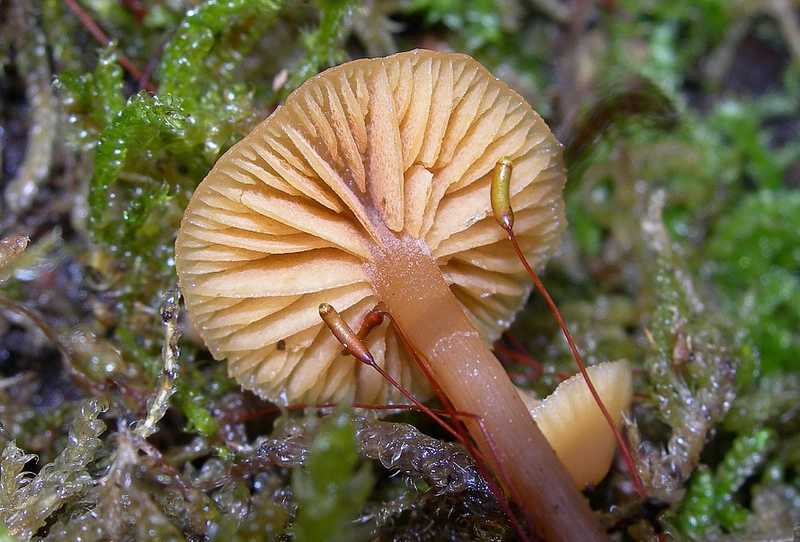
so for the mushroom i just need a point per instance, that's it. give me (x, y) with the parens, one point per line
(574, 425)
(371, 185)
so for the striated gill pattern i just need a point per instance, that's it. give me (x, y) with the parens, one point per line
(285, 220)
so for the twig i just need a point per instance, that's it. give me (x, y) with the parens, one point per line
(101, 37)
(169, 373)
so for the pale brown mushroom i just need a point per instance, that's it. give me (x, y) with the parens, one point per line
(371, 185)
(574, 425)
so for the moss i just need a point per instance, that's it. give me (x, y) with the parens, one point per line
(262, 521)
(755, 251)
(697, 514)
(477, 24)
(93, 99)
(324, 44)
(333, 488)
(692, 369)
(764, 403)
(198, 418)
(182, 68)
(177, 133)
(5, 536)
(711, 503)
(26, 501)
(213, 39)
(60, 30)
(146, 122)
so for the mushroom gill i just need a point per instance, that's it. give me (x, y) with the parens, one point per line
(289, 217)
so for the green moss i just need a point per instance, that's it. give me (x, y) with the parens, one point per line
(740, 128)
(757, 262)
(5, 536)
(200, 63)
(145, 122)
(678, 33)
(764, 403)
(332, 488)
(696, 358)
(740, 463)
(193, 405)
(105, 93)
(136, 353)
(93, 99)
(183, 66)
(151, 153)
(478, 23)
(265, 522)
(324, 44)
(60, 30)
(711, 502)
(697, 513)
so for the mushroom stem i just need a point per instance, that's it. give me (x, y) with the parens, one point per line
(408, 281)
(353, 345)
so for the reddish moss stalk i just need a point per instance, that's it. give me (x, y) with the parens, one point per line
(410, 284)
(504, 214)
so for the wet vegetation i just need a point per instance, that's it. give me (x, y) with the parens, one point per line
(680, 121)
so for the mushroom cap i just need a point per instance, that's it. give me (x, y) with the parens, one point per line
(575, 426)
(288, 217)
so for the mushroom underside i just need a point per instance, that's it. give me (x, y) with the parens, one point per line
(295, 213)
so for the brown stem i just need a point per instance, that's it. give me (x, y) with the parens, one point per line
(408, 281)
